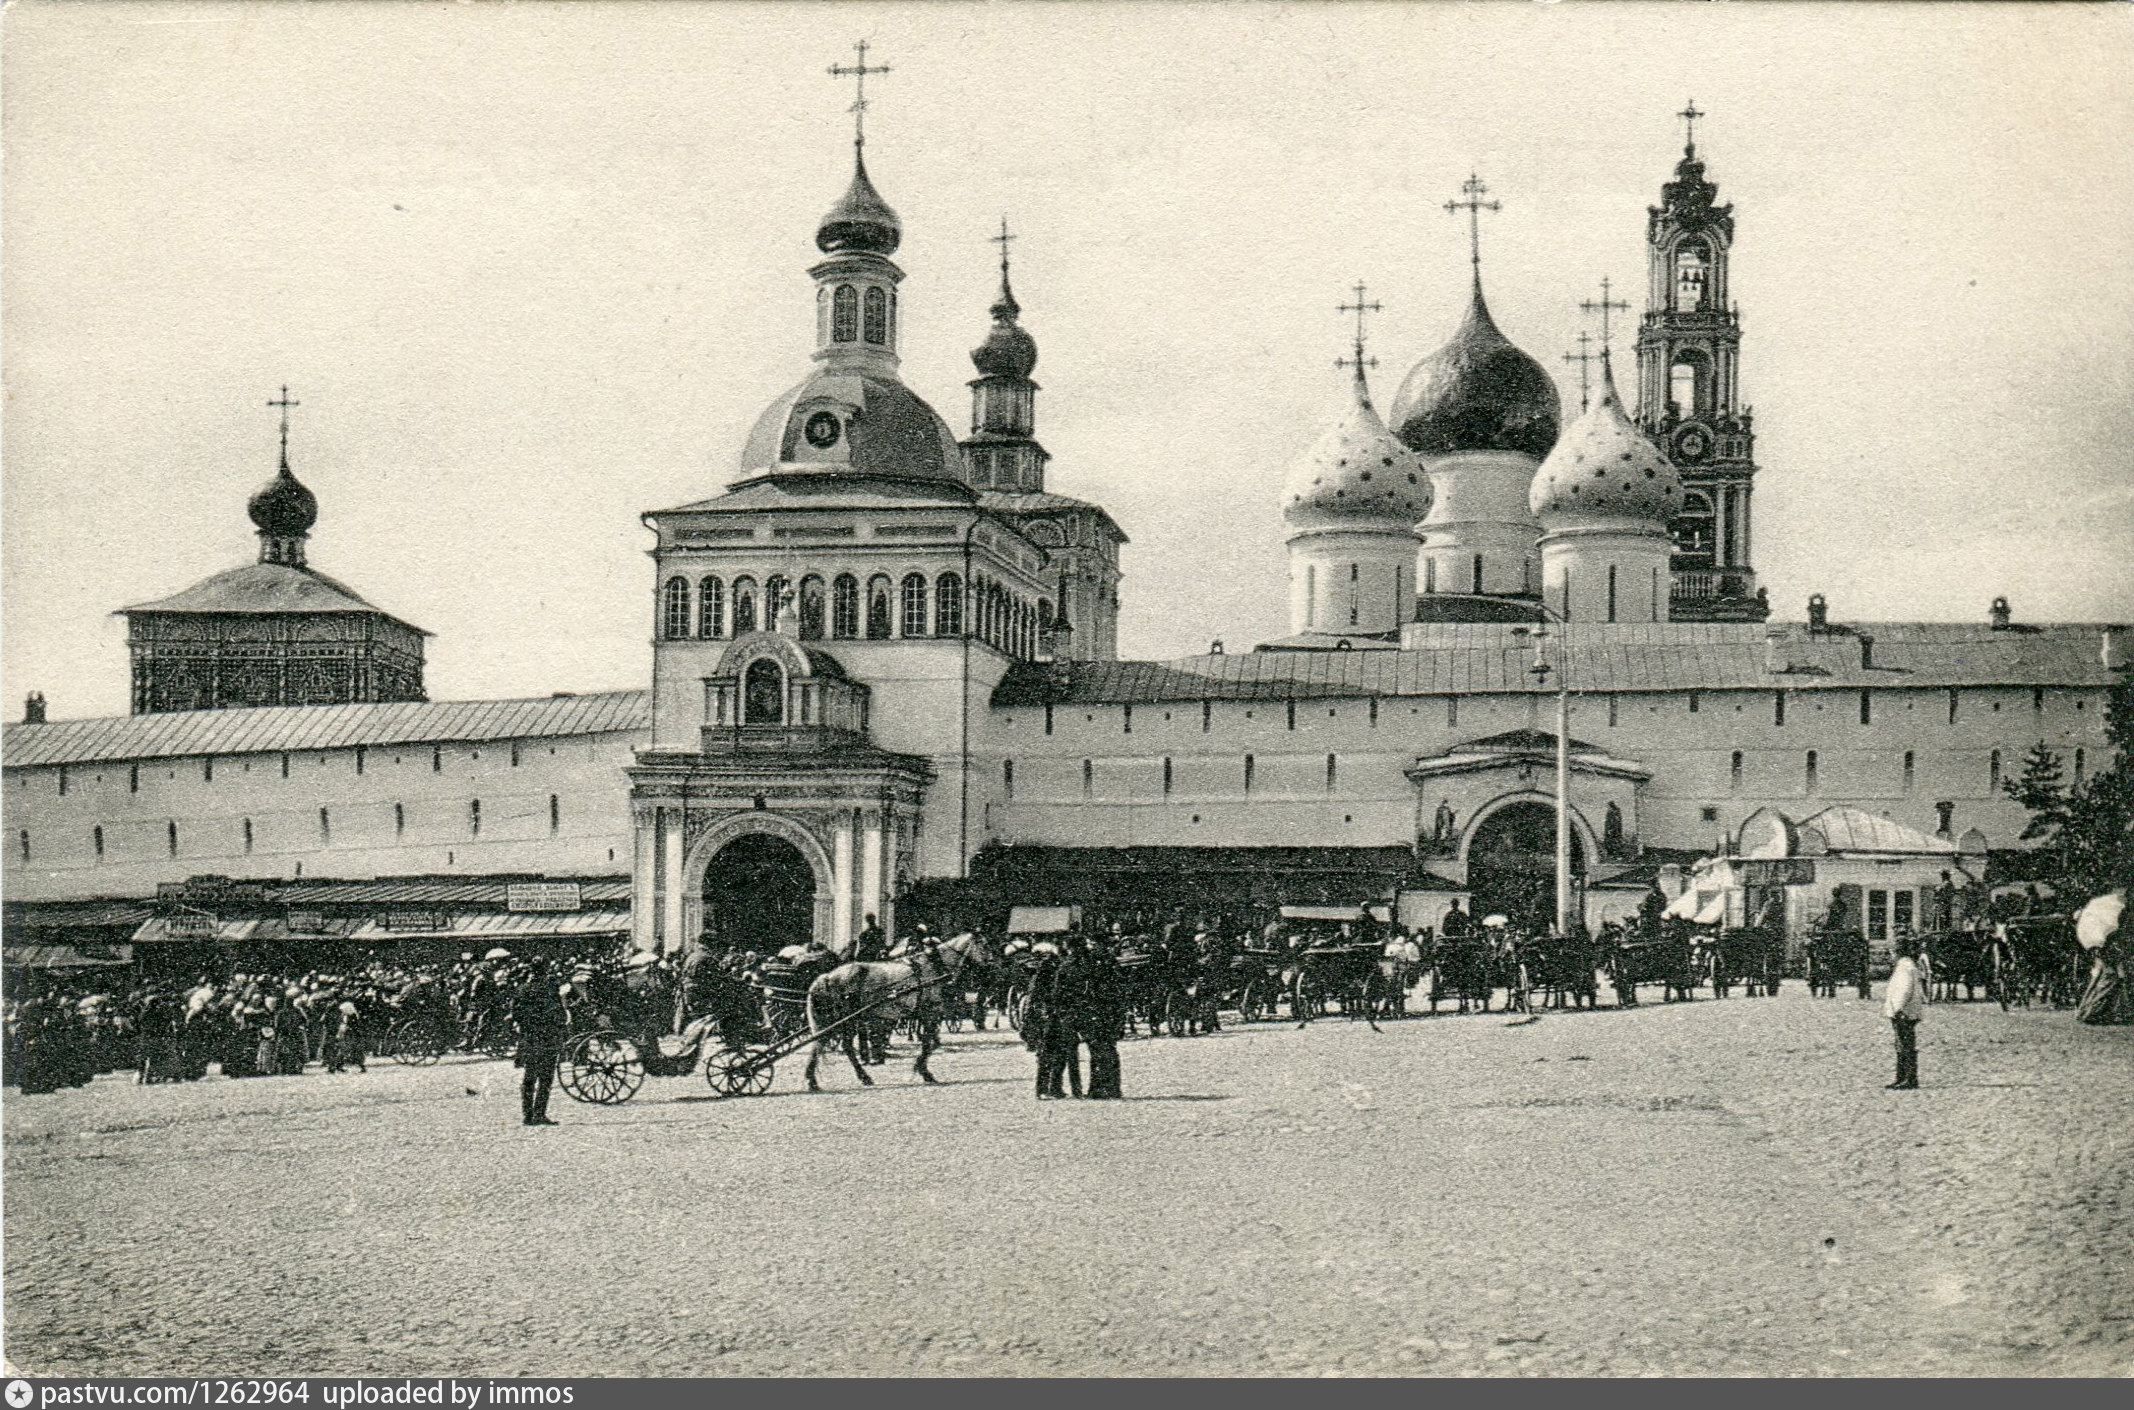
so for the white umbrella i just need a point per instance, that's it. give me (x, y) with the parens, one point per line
(2096, 922)
(499, 953)
(1713, 910)
(1684, 906)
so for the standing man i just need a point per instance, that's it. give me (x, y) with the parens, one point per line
(1103, 1017)
(1903, 1004)
(872, 946)
(537, 1012)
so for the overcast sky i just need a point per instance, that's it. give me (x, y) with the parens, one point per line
(533, 270)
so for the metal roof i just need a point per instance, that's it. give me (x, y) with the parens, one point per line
(1849, 829)
(264, 588)
(421, 891)
(275, 728)
(1477, 658)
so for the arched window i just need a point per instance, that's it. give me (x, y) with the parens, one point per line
(1689, 384)
(811, 608)
(777, 591)
(845, 315)
(913, 604)
(1691, 273)
(877, 316)
(674, 613)
(1612, 831)
(845, 607)
(878, 623)
(763, 693)
(744, 606)
(711, 608)
(948, 605)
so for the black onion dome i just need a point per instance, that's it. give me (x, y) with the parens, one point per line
(1008, 350)
(1478, 392)
(283, 507)
(860, 221)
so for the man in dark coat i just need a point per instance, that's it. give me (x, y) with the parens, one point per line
(872, 945)
(1103, 1017)
(537, 1012)
(1050, 1025)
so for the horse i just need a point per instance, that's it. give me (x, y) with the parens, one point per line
(912, 988)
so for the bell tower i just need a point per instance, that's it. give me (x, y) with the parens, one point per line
(1689, 393)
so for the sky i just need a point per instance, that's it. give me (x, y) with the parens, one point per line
(533, 270)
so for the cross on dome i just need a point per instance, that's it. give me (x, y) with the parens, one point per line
(858, 72)
(1473, 189)
(285, 403)
(1584, 358)
(1603, 306)
(1689, 116)
(1360, 361)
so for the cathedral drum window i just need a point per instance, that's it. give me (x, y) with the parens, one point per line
(845, 315)
(914, 605)
(674, 609)
(948, 605)
(777, 591)
(711, 608)
(845, 607)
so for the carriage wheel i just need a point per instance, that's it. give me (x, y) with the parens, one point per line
(602, 1069)
(1018, 1006)
(417, 1042)
(739, 1072)
(1251, 1007)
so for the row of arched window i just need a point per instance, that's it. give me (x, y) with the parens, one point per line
(841, 611)
(851, 316)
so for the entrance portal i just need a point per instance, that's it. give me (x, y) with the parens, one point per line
(759, 894)
(1511, 865)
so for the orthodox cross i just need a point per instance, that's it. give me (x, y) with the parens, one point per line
(1602, 308)
(1689, 116)
(1359, 308)
(285, 403)
(858, 72)
(1583, 357)
(1473, 189)
(1002, 240)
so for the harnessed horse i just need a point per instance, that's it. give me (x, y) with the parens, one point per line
(896, 991)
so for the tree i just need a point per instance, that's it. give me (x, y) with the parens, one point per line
(2042, 793)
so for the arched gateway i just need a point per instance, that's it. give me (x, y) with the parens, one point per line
(762, 883)
(1511, 861)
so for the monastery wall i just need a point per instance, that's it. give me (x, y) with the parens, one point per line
(557, 805)
(1096, 777)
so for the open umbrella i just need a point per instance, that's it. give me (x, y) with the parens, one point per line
(499, 953)
(2096, 922)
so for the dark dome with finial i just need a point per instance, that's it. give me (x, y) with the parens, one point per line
(1008, 350)
(283, 507)
(861, 221)
(1478, 392)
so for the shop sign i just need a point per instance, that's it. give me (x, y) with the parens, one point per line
(1777, 871)
(524, 896)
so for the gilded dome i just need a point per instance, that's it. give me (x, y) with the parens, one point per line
(852, 423)
(1359, 474)
(283, 507)
(860, 221)
(1603, 468)
(1478, 392)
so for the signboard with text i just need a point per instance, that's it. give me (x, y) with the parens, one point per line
(525, 896)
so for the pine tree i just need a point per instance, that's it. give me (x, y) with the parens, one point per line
(2042, 793)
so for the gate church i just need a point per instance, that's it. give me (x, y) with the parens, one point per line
(885, 671)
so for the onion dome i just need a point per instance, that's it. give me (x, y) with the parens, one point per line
(283, 508)
(861, 221)
(853, 423)
(1478, 392)
(1604, 469)
(1008, 350)
(1360, 475)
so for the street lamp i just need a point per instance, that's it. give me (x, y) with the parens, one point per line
(1540, 671)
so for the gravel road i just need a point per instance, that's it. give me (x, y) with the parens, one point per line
(1708, 1188)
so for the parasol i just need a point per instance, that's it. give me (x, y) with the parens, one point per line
(2096, 922)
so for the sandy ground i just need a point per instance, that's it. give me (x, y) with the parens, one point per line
(1710, 1188)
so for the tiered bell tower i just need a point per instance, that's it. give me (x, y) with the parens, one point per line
(1689, 394)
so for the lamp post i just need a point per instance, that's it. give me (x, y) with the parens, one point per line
(1540, 671)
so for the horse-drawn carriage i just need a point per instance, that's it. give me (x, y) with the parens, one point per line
(1332, 962)
(1661, 953)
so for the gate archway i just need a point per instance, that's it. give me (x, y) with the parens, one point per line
(763, 882)
(1511, 862)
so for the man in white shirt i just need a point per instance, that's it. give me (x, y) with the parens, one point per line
(1902, 1004)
